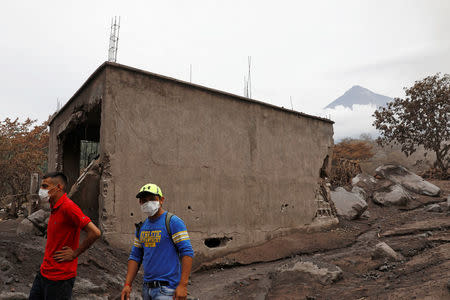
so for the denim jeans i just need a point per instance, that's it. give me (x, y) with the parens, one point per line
(45, 289)
(158, 293)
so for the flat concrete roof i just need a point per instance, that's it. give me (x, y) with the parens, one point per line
(189, 84)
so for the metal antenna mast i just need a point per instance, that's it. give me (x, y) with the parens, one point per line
(248, 80)
(249, 83)
(114, 39)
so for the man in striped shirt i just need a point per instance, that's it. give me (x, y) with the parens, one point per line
(167, 259)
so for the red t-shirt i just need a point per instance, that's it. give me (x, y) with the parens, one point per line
(64, 225)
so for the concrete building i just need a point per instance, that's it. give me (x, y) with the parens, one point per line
(237, 171)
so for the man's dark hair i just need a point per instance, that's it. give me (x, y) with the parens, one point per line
(58, 176)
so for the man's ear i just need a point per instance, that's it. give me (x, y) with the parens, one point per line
(161, 199)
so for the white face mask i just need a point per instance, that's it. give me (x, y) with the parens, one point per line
(43, 194)
(150, 208)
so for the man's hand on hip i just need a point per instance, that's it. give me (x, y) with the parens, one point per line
(66, 254)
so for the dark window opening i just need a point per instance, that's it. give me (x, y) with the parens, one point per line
(89, 150)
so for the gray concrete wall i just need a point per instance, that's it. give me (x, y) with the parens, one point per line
(227, 167)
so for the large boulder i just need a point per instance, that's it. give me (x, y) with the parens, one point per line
(408, 180)
(27, 228)
(324, 272)
(433, 208)
(38, 218)
(36, 223)
(348, 204)
(364, 181)
(394, 194)
(360, 192)
(383, 250)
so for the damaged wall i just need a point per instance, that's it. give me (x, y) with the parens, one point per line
(238, 172)
(78, 120)
(233, 170)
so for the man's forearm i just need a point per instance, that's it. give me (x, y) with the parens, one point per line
(186, 266)
(93, 233)
(132, 270)
(87, 242)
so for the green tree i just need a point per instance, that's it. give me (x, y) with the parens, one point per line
(421, 118)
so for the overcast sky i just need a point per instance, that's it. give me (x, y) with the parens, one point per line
(312, 51)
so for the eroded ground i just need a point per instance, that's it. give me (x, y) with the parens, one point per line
(422, 237)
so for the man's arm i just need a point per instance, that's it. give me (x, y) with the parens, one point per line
(132, 270)
(68, 254)
(186, 266)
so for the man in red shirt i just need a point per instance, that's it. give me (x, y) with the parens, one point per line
(57, 274)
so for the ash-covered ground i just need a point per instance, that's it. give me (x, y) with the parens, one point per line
(334, 264)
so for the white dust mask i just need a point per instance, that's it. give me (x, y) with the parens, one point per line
(43, 194)
(150, 208)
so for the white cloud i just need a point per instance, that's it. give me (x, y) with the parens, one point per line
(352, 122)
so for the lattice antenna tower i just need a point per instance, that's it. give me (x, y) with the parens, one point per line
(114, 39)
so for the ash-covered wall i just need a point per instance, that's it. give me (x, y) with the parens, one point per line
(238, 172)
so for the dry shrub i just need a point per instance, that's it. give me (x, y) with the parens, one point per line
(435, 173)
(353, 150)
(346, 158)
(23, 151)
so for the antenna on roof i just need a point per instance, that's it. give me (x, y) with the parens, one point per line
(292, 105)
(190, 73)
(249, 77)
(114, 39)
(248, 81)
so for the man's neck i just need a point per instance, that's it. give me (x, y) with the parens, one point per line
(56, 198)
(157, 215)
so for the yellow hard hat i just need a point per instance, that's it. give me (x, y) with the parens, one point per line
(149, 188)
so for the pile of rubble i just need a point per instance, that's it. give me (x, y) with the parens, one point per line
(21, 205)
(392, 185)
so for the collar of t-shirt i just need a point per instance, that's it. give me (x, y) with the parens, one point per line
(157, 219)
(59, 202)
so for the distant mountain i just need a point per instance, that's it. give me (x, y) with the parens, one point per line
(359, 95)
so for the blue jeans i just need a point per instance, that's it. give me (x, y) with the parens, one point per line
(158, 293)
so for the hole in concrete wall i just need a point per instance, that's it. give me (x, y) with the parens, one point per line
(217, 242)
(131, 214)
(79, 145)
(189, 207)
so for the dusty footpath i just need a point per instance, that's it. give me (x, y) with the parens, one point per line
(342, 261)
